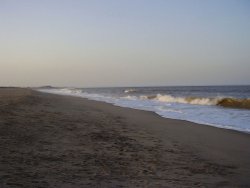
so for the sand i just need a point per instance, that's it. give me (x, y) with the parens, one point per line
(61, 141)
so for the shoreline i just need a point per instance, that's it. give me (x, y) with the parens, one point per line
(187, 123)
(161, 116)
(54, 140)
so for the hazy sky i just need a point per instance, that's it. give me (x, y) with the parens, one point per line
(124, 42)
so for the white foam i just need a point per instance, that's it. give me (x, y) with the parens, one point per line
(129, 90)
(130, 97)
(187, 100)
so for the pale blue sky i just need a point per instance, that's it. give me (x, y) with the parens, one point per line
(124, 42)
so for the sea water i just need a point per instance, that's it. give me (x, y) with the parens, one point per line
(220, 106)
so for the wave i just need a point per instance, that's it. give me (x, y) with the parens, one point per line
(226, 102)
(129, 90)
(219, 101)
(62, 91)
(235, 103)
(184, 100)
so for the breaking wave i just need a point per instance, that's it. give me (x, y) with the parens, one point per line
(219, 101)
(226, 102)
(235, 103)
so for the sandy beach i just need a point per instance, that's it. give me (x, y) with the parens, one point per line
(49, 140)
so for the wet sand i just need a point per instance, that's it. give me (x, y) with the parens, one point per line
(61, 141)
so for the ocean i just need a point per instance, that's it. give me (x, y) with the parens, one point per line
(220, 106)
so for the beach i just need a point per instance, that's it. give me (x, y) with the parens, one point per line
(52, 140)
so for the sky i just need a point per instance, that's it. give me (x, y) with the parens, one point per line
(104, 43)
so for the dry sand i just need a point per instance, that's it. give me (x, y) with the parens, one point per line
(60, 141)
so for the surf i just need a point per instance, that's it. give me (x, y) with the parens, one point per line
(218, 101)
